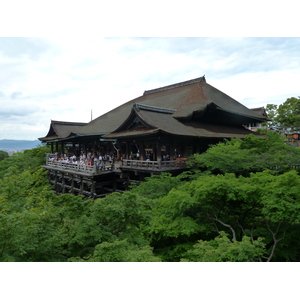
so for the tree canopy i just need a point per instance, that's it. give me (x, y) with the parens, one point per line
(3, 154)
(251, 154)
(239, 202)
(286, 115)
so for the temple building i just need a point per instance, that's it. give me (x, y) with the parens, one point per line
(153, 133)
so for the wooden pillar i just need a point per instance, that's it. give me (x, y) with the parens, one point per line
(142, 176)
(198, 147)
(72, 183)
(81, 185)
(127, 151)
(172, 151)
(55, 182)
(93, 188)
(158, 148)
(62, 148)
(127, 182)
(119, 150)
(142, 151)
(95, 169)
(95, 146)
(56, 146)
(63, 181)
(184, 151)
(107, 148)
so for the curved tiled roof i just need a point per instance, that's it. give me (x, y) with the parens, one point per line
(168, 124)
(62, 129)
(165, 106)
(184, 99)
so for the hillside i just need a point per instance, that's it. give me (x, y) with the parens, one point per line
(212, 213)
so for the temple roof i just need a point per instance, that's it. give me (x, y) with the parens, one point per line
(61, 129)
(185, 99)
(261, 111)
(169, 108)
(155, 121)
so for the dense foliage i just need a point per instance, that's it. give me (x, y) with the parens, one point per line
(3, 154)
(240, 202)
(285, 115)
(251, 154)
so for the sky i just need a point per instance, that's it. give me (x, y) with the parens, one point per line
(80, 69)
(79, 79)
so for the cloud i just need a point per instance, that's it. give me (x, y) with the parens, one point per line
(13, 107)
(64, 78)
(32, 48)
(16, 95)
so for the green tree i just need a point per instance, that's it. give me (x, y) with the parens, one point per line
(37, 225)
(157, 185)
(252, 154)
(288, 114)
(120, 251)
(3, 154)
(30, 159)
(105, 223)
(27, 216)
(271, 110)
(262, 205)
(222, 249)
(165, 218)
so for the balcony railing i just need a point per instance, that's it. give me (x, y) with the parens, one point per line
(179, 163)
(82, 168)
(52, 163)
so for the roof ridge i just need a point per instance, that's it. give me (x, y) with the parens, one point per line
(69, 123)
(168, 87)
(139, 106)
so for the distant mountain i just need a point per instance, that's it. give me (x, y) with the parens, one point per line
(18, 144)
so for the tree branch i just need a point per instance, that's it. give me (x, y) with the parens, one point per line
(243, 231)
(226, 225)
(274, 239)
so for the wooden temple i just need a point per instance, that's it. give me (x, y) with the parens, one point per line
(154, 133)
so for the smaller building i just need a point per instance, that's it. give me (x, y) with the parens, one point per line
(258, 125)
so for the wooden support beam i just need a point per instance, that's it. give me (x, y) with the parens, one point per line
(55, 181)
(72, 182)
(158, 149)
(63, 183)
(81, 185)
(114, 186)
(93, 189)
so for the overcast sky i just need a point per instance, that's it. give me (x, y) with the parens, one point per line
(65, 79)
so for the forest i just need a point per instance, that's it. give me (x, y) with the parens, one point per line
(239, 202)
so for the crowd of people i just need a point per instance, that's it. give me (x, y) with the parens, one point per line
(91, 159)
(88, 159)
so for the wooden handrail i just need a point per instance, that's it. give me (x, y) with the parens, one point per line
(154, 165)
(125, 163)
(79, 167)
